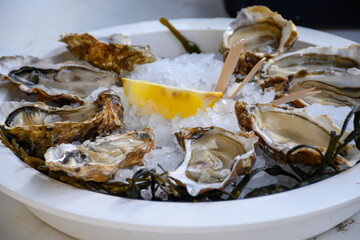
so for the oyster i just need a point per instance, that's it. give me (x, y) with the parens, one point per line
(37, 127)
(107, 56)
(100, 160)
(333, 70)
(280, 129)
(265, 32)
(63, 82)
(213, 157)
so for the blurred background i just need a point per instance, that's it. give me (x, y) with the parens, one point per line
(333, 16)
(307, 13)
(27, 26)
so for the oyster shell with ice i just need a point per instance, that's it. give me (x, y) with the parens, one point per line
(115, 57)
(213, 157)
(281, 128)
(62, 82)
(36, 127)
(266, 34)
(333, 70)
(100, 160)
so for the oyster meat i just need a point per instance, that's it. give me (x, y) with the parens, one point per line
(63, 82)
(213, 157)
(333, 70)
(266, 34)
(37, 127)
(100, 160)
(115, 57)
(280, 129)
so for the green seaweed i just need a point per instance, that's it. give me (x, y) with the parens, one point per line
(150, 180)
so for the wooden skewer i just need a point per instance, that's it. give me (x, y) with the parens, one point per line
(295, 96)
(229, 66)
(236, 87)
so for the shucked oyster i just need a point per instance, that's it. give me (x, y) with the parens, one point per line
(63, 82)
(266, 34)
(334, 71)
(213, 157)
(37, 127)
(100, 160)
(280, 129)
(107, 56)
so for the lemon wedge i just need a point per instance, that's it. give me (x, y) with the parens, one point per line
(167, 100)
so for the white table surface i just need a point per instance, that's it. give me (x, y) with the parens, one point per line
(25, 26)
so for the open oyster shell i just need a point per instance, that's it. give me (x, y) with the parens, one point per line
(115, 57)
(63, 82)
(266, 34)
(280, 129)
(333, 70)
(100, 160)
(37, 127)
(213, 157)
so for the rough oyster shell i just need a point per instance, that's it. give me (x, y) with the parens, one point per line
(107, 56)
(266, 34)
(101, 159)
(333, 70)
(63, 82)
(280, 129)
(37, 127)
(213, 157)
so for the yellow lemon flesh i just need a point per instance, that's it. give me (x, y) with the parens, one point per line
(167, 100)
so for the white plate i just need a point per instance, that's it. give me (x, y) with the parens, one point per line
(296, 214)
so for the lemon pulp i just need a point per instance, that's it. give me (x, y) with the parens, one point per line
(167, 100)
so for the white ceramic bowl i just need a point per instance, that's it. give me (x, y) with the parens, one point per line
(296, 214)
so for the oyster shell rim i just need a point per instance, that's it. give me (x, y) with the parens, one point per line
(242, 164)
(46, 93)
(247, 121)
(100, 171)
(257, 11)
(107, 118)
(281, 84)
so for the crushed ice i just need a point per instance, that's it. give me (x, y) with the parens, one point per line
(198, 71)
